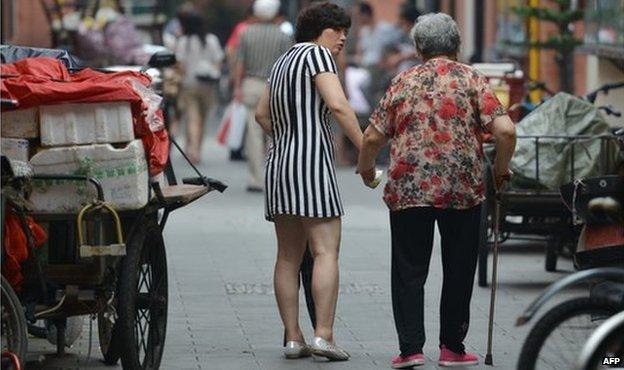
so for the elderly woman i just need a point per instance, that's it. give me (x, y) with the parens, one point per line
(302, 196)
(433, 115)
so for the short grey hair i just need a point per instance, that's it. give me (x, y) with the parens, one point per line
(436, 34)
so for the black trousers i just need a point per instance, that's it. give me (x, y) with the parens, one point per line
(412, 241)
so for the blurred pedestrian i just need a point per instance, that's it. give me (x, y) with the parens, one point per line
(433, 115)
(260, 45)
(231, 45)
(200, 56)
(283, 22)
(407, 56)
(302, 195)
(374, 36)
(231, 52)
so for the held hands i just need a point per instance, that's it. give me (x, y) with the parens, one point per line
(371, 177)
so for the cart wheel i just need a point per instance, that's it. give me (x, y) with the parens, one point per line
(109, 340)
(484, 247)
(143, 298)
(14, 329)
(552, 252)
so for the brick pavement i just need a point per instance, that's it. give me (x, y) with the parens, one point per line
(222, 312)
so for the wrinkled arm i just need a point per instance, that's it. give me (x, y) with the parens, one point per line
(263, 111)
(372, 143)
(504, 132)
(333, 95)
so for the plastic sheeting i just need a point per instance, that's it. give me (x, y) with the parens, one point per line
(562, 115)
(12, 54)
(16, 246)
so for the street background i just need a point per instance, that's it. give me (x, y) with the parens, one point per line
(221, 251)
(222, 312)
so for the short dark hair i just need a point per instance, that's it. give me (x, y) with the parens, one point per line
(366, 9)
(317, 17)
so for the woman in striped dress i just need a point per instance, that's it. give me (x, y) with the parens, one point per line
(302, 195)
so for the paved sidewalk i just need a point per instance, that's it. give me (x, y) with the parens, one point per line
(222, 312)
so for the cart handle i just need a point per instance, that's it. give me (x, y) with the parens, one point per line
(205, 181)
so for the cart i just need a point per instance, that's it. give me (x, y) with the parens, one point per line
(108, 264)
(535, 213)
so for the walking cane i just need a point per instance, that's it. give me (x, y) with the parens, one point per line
(488, 356)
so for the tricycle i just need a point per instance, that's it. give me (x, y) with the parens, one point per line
(106, 263)
(559, 153)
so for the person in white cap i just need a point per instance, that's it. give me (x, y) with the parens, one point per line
(260, 46)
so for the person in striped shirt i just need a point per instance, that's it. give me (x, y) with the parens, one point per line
(259, 47)
(301, 189)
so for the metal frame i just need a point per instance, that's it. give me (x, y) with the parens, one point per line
(539, 202)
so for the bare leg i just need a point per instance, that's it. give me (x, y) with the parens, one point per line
(291, 245)
(193, 126)
(208, 101)
(324, 238)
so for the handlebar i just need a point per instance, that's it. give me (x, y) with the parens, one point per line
(205, 181)
(591, 97)
(539, 85)
(606, 273)
(610, 111)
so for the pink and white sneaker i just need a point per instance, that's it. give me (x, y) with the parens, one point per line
(450, 358)
(400, 362)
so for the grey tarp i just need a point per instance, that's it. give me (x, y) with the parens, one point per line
(13, 53)
(563, 115)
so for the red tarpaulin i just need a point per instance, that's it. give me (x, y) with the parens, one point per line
(45, 81)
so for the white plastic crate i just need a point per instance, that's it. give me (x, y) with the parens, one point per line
(86, 123)
(123, 174)
(15, 149)
(20, 124)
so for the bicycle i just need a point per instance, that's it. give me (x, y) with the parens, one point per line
(605, 346)
(558, 337)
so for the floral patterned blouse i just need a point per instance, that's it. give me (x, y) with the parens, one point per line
(434, 115)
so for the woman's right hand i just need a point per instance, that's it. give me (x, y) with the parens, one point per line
(501, 177)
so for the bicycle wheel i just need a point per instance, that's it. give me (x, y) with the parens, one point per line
(142, 301)
(605, 348)
(558, 337)
(14, 337)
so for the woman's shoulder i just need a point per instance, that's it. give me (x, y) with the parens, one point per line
(323, 50)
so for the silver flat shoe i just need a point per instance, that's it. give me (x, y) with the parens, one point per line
(294, 350)
(321, 347)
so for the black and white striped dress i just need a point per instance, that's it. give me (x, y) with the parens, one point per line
(300, 177)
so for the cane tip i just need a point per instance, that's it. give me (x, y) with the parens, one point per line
(488, 359)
